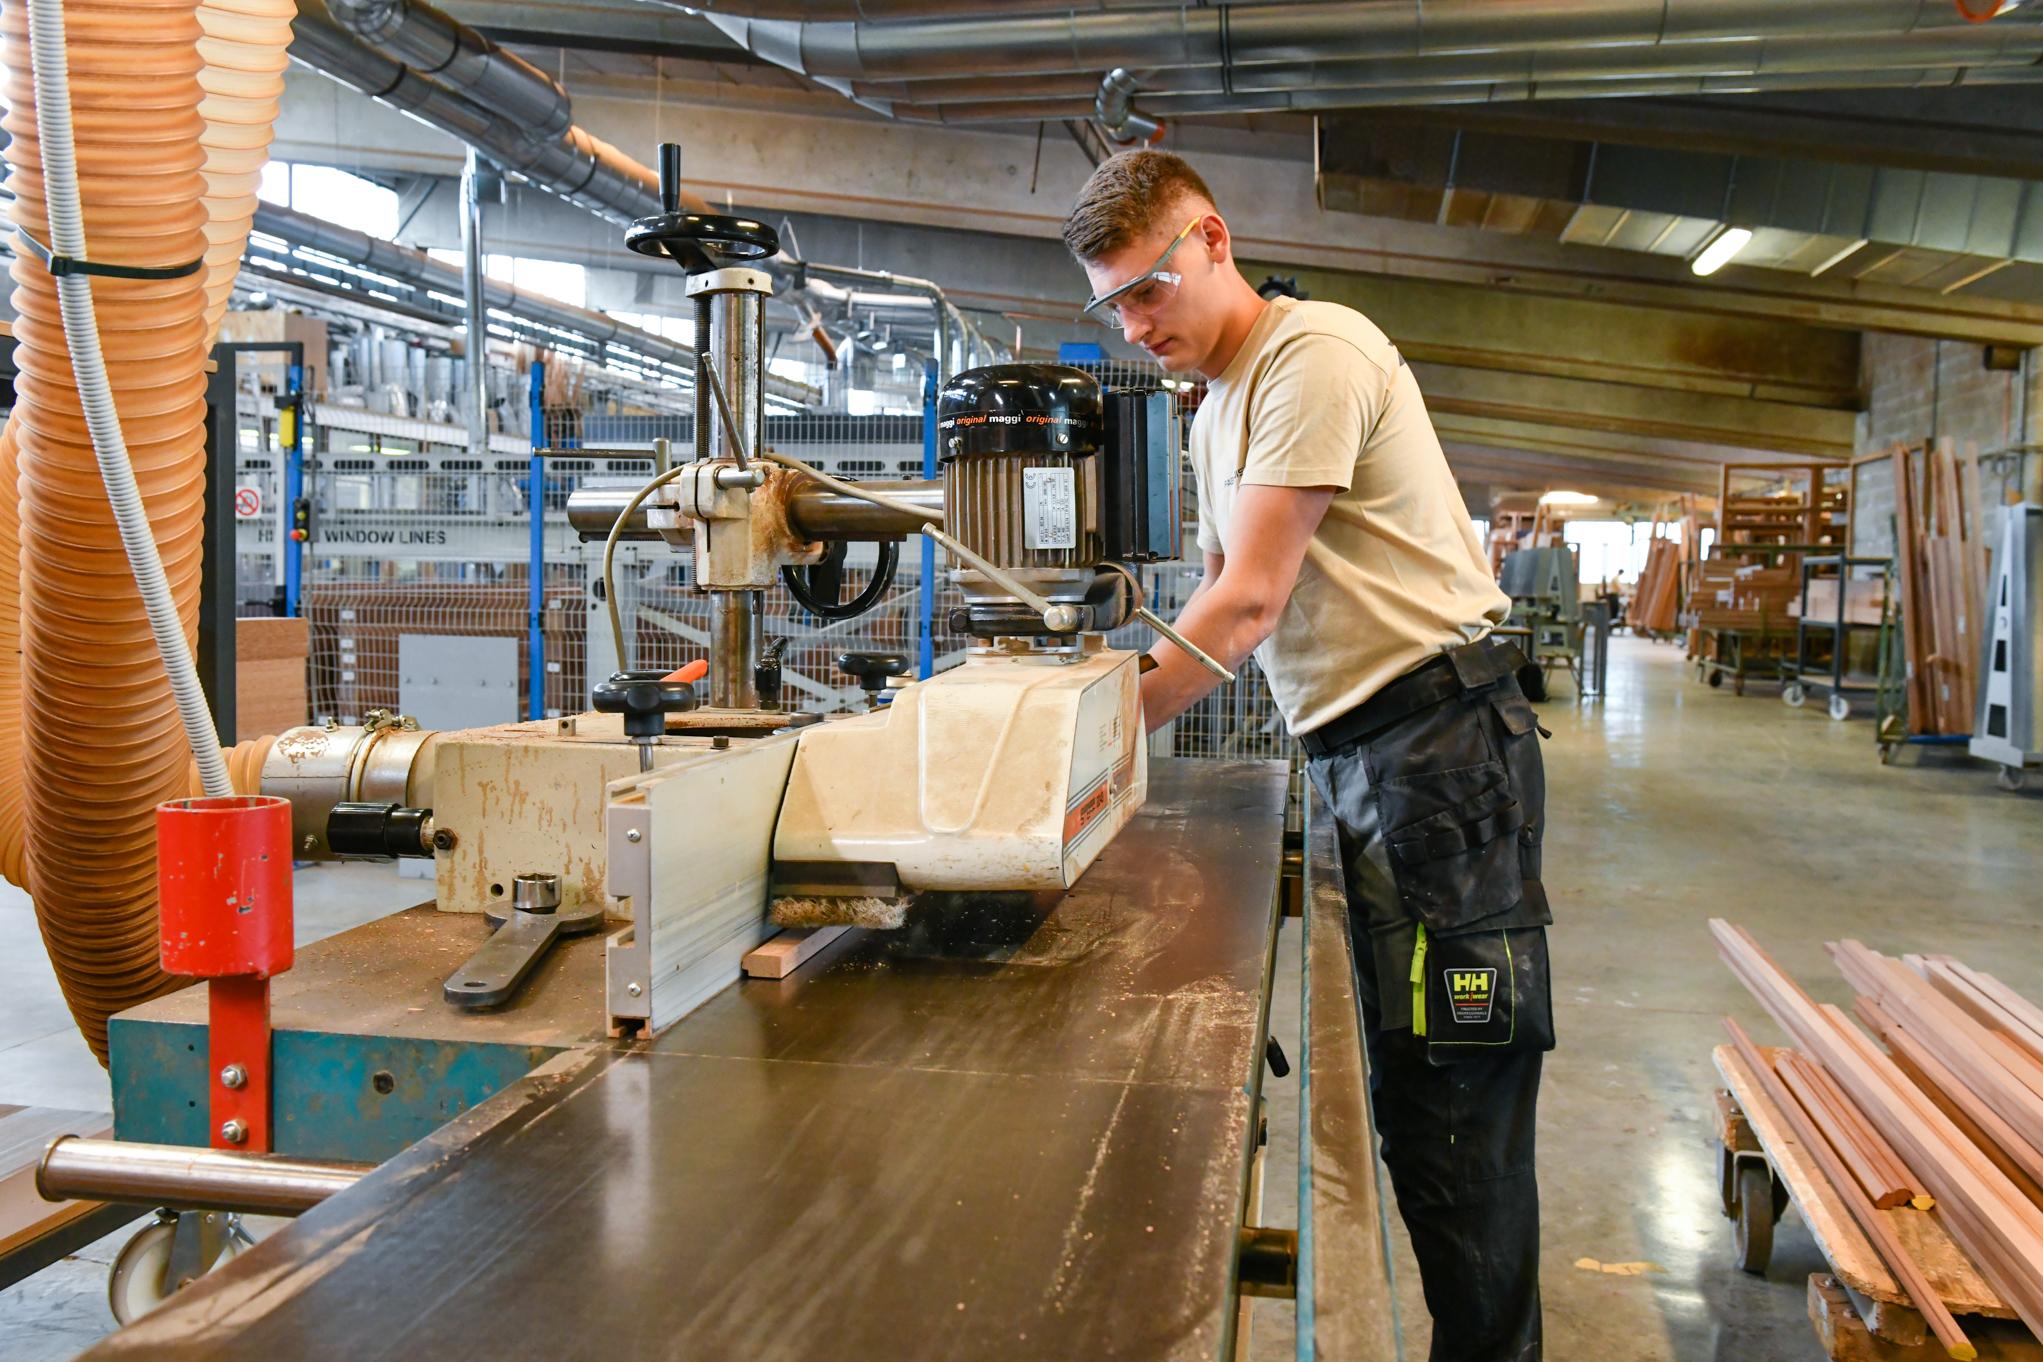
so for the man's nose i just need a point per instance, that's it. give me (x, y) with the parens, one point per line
(1133, 328)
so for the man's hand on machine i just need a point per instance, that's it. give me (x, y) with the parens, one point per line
(1241, 597)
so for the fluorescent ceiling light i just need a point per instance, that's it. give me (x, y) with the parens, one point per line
(1718, 253)
(1567, 499)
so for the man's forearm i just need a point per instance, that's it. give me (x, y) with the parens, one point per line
(1227, 625)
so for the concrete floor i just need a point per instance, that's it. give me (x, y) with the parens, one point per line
(1669, 804)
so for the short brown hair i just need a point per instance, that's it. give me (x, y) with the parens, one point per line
(1127, 197)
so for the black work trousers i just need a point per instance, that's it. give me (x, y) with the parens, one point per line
(1440, 816)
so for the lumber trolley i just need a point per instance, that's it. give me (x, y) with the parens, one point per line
(1765, 650)
(1823, 650)
(1857, 1308)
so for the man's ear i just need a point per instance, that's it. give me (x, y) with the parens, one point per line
(1219, 242)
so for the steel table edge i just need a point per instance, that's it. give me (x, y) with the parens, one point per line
(1252, 1082)
(241, 1284)
(1341, 1241)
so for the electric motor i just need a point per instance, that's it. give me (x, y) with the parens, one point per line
(1020, 448)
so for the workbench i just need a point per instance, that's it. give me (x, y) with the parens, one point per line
(1026, 1127)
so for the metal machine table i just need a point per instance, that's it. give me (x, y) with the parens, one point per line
(1026, 1130)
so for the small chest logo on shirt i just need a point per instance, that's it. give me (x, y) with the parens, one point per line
(1471, 995)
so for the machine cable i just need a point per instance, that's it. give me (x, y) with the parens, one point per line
(798, 580)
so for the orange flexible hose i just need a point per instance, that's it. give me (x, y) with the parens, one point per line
(105, 745)
(101, 744)
(245, 52)
(13, 837)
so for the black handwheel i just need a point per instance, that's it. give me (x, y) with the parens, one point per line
(816, 586)
(1756, 1214)
(703, 241)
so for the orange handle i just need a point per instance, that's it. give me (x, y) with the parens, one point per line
(691, 672)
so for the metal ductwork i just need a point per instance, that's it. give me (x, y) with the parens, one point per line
(419, 269)
(583, 169)
(1421, 48)
(1512, 92)
(493, 84)
(1114, 107)
(439, 46)
(1995, 45)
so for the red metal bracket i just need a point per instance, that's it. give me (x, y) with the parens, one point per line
(223, 869)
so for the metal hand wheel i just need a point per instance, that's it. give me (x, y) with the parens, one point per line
(697, 242)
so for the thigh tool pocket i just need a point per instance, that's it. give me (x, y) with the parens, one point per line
(1482, 993)
(1453, 842)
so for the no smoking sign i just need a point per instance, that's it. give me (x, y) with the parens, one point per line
(247, 503)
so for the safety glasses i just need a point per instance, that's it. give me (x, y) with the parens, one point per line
(1146, 292)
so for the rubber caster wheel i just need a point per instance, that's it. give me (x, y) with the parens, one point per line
(2011, 778)
(1793, 696)
(138, 1282)
(1755, 1219)
(1716, 680)
(1840, 708)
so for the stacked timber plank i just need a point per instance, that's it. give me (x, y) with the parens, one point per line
(1748, 597)
(1956, 1101)
(1940, 583)
(1656, 603)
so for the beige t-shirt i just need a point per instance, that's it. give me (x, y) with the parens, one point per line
(1318, 397)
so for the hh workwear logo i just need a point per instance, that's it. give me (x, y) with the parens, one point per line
(1471, 993)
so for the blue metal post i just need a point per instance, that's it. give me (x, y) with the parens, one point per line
(535, 505)
(294, 489)
(926, 633)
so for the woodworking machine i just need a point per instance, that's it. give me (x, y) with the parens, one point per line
(678, 820)
(1068, 1066)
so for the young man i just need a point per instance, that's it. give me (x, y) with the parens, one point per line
(1338, 550)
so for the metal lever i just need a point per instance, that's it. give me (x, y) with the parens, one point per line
(518, 942)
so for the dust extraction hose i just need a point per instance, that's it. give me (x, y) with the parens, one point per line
(95, 392)
(97, 742)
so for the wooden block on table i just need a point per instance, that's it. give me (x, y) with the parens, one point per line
(788, 952)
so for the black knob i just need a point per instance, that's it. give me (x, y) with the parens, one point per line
(670, 177)
(871, 670)
(645, 699)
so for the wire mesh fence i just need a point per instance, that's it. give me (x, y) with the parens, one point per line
(415, 540)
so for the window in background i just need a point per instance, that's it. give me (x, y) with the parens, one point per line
(331, 194)
(1607, 549)
(556, 279)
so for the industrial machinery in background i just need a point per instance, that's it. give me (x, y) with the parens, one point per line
(1546, 611)
(2009, 728)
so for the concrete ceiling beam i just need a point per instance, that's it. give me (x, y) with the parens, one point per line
(1619, 409)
